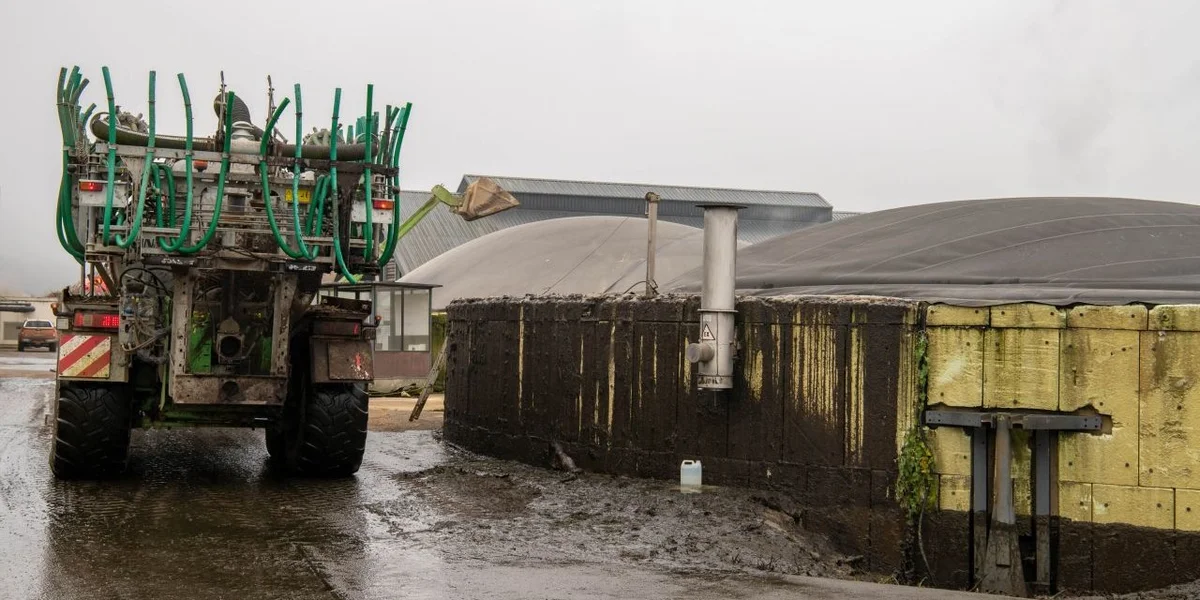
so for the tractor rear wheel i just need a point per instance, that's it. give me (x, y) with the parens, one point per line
(91, 432)
(333, 431)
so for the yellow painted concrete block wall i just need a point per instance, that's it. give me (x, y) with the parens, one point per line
(1020, 368)
(951, 448)
(954, 492)
(1138, 366)
(1098, 371)
(955, 366)
(1134, 505)
(1075, 500)
(1170, 409)
(1187, 510)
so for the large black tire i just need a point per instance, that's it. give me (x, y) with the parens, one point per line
(53, 347)
(328, 439)
(91, 432)
(333, 431)
(20, 347)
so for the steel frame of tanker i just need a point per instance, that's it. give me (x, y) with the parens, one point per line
(231, 336)
(299, 372)
(309, 394)
(224, 325)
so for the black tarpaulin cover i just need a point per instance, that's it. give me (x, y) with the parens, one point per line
(1058, 251)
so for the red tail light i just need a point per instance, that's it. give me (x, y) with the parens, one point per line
(383, 204)
(95, 320)
(91, 185)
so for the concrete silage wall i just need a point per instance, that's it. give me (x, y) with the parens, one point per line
(825, 389)
(1128, 499)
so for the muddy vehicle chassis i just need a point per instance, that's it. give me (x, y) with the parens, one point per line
(199, 299)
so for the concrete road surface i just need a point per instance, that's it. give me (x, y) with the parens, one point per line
(202, 516)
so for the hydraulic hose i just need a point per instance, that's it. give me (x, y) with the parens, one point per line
(216, 216)
(264, 170)
(309, 254)
(135, 225)
(394, 230)
(165, 215)
(333, 182)
(111, 161)
(68, 120)
(176, 244)
(316, 208)
(368, 228)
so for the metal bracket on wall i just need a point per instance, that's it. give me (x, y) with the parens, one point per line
(997, 564)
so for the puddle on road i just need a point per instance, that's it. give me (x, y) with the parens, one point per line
(201, 515)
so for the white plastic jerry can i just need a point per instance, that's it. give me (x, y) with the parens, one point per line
(690, 475)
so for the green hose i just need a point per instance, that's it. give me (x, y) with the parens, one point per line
(263, 169)
(166, 214)
(316, 207)
(70, 124)
(394, 229)
(177, 244)
(64, 228)
(216, 216)
(333, 182)
(369, 229)
(309, 254)
(111, 161)
(135, 225)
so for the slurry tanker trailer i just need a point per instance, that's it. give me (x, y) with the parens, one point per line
(201, 266)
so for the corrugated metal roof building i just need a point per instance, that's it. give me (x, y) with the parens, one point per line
(767, 214)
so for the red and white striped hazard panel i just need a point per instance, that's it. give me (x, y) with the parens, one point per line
(84, 356)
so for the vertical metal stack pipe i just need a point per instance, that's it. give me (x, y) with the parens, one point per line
(714, 351)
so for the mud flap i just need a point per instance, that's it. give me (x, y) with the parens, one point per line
(341, 360)
(90, 357)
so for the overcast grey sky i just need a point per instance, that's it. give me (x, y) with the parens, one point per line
(871, 104)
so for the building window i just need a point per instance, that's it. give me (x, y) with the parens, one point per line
(384, 338)
(416, 320)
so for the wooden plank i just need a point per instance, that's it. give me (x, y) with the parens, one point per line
(429, 381)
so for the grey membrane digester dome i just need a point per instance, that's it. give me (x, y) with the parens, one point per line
(572, 255)
(1058, 251)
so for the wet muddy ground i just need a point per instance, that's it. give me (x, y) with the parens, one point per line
(200, 515)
